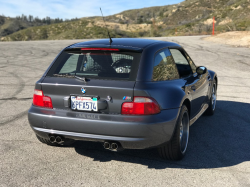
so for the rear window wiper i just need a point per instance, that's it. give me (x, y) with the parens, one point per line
(70, 76)
(81, 78)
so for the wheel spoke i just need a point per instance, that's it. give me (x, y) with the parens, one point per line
(184, 133)
(181, 131)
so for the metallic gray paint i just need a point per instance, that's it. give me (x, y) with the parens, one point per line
(203, 109)
(133, 132)
(58, 88)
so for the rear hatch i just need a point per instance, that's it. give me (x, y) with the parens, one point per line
(95, 80)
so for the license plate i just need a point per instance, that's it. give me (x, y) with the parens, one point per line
(84, 103)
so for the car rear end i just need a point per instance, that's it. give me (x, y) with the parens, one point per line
(88, 94)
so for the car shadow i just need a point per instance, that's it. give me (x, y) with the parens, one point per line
(220, 140)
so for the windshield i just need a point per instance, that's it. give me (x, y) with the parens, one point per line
(96, 64)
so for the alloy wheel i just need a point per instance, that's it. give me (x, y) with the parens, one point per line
(184, 132)
(214, 96)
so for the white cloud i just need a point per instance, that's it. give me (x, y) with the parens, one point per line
(73, 8)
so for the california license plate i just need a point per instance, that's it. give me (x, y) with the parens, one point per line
(84, 103)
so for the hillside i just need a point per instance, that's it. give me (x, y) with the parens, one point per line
(10, 25)
(66, 30)
(190, 17)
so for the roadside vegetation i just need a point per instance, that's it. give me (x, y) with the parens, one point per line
(190, 17)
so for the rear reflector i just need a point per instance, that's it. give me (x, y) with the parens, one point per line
(141, 106)
(40, 100)
(99, 49)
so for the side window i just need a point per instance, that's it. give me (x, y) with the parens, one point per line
(181, 63)
(70, 64)
(193, 66)
(164, 67)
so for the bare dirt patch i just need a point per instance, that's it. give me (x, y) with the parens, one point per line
(237, 38)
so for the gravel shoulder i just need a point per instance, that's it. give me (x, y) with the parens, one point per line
(237, 38)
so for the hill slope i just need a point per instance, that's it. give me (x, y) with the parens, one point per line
(187, 18)
(10, 25)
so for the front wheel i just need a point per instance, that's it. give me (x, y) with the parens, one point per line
(212, 104)
(176, 148)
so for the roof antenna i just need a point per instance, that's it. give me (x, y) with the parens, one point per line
(110, 40)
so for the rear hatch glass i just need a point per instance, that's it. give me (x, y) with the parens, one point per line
(106, 78)
(96, 65)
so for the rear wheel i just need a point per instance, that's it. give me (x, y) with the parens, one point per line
(66, 142)
(176, 148)
(210, 110)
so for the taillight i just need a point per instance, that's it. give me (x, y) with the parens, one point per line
(40, 100)
(141, 106)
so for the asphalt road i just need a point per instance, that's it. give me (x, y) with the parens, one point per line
(219, 146)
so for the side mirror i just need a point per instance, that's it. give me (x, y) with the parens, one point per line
(201, 70)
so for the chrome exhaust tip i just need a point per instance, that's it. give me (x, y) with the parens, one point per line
(59, 140)
(52, 139)
(114, 147)
(106, 145)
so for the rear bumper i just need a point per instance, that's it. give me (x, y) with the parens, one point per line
(133, 132)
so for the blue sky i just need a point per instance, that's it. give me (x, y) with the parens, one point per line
(73, 8)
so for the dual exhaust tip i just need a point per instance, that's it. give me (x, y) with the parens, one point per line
(56, 139)
(111, 146)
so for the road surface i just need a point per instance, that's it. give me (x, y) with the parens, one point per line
(219, 148)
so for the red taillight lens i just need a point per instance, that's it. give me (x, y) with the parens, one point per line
(141, 106)
(99, 49)
(40, 100)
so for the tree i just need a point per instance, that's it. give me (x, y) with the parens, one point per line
(44, 34)
(48, 20)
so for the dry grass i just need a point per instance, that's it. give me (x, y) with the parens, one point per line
(237, 38)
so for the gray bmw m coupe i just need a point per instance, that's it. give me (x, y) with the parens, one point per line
(126, 94)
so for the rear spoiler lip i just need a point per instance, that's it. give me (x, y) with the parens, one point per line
(120, 47)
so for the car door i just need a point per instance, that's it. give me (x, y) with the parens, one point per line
(204, 80)
(196, 85)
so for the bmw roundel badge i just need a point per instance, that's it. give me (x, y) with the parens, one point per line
(83, 90)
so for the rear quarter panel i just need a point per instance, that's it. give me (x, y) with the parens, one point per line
(169, 94)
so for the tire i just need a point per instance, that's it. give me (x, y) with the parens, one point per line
(66, 142)
(212, 103)
(176, 148)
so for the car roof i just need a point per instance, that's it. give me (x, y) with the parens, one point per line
(125, 43)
